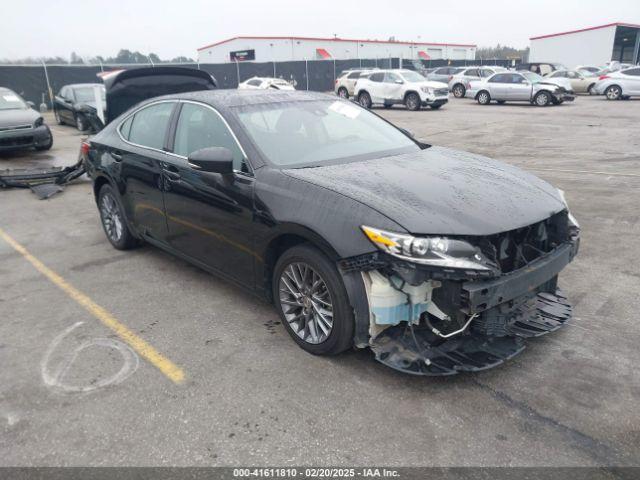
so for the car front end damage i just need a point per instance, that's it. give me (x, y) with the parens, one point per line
(466, 314)
(20, 137)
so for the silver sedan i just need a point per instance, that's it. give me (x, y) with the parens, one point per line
(518, 87)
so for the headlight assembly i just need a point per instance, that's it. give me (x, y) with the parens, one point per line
(427, 90)
(434, 251)
(572, 219)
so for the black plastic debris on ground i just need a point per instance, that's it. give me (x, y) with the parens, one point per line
(43, 182)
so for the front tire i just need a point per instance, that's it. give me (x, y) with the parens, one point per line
(312, 302)
(614, 92)
(459, 90)
(484, 98)
(343, 93)
(114, 221)
(542, 99)
(412, 102)
(364, 99)
(48, 145)
(81, 122)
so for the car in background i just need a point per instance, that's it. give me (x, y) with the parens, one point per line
(398, 86)
(21, 127)
(518, 87)
(263, 83)
(346, 81)
(443, 74)
(541, 68)
(440, 261)
(579, 81)
(72, 104)
(618, 85)
(459, 82)
(588, 69)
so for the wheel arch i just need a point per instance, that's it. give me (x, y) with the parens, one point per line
(287, 237)
(409, 92)
(480, 91)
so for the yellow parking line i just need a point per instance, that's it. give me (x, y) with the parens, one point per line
(166, 366)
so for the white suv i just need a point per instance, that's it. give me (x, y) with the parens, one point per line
(346, 81)
(390, 87)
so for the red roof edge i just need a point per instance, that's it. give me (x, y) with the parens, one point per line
(615, 24)
(337, 40)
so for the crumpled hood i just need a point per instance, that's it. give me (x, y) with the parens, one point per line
(442, 191)
(12, 118)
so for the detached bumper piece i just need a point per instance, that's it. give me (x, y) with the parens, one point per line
(495, 336)
(409, 350)
(43, 182)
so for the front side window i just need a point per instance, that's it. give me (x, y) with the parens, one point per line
(201, 127)
(149, 125)
(392, 78)
(310, 133)
(532, 77)
(254, 83)
(354, 75)
(85, 94)
(635, 72)
(377, 77)
(500, 78)
(515, 78)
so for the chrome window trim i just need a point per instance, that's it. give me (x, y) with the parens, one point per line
(244, 154)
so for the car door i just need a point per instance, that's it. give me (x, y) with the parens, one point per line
(631, 81)
(376, 87)
(392, 86)
(578, 83)
(66, 105)
(209, 215)
(139, 158)
(498, 86)
(519, 88)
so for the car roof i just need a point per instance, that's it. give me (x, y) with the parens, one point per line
(6, 90)
(234, 98)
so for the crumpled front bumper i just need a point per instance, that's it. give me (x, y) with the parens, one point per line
(504, 311)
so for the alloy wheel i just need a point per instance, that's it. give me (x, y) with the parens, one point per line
(458, 91)
(111, 217)
(306, 302)
(342, 93)
(542, 100)
(613, 93)
(483, 98)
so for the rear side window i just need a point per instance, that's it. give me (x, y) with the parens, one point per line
(377, 77)
(254, 83)
(633, 71)
(354, 75)
(500, 78)
(201, 127)
(125, 128)
(149, 125)
(473, 72)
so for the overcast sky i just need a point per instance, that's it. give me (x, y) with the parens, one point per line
(171, 28)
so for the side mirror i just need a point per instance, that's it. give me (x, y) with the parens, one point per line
(212, 159)
(31, 104)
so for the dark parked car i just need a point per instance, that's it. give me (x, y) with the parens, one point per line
(74, 103)
(439, 260)
(21, 127)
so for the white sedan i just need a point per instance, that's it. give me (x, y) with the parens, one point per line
(263, 83)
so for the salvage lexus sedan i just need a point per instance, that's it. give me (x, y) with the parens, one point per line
(21, 127)
(440, 261)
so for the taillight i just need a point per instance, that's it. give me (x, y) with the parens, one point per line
(84, 149)
(603, 77)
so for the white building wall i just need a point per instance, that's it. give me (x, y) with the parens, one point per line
(287, 49)
(591, 47)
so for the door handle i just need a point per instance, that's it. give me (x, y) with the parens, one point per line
(117, 156)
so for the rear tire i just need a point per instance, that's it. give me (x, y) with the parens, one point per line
(412, 102)
(364, 99)
(483, 97)
(329, 295)
(459, 90)
(613, 92)
(114, 220)
(343, 93)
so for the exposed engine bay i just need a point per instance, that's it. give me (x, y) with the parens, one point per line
(438, 321)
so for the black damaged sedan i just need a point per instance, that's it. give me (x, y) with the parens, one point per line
(440, 261)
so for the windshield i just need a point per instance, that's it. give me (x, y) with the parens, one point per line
(11, 101)
(411, 76)
(85, 94)
(532, 77)
(302, 134)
